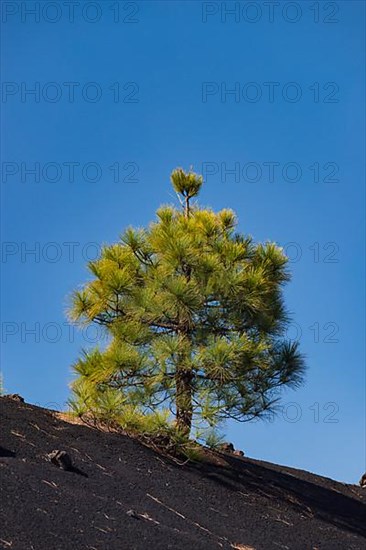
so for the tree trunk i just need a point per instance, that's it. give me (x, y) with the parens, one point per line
(184, 406)
(186, 207)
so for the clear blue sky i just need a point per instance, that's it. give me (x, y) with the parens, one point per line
(299, 99)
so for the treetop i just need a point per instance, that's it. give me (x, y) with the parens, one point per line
(187, 184)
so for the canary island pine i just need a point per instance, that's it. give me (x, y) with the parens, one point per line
(194, 318)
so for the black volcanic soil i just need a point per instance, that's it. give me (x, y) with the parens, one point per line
(243, 503)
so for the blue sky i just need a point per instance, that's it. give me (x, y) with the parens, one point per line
(148, 89)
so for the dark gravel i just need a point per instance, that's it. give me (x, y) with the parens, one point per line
(123, 496)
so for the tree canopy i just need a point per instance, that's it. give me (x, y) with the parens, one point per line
(194, 317)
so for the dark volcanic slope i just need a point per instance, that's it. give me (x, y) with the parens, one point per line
(246, 505)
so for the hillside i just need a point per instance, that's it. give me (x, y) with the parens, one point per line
(122, 495)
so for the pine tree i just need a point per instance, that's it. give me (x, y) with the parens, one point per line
(194, 317)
